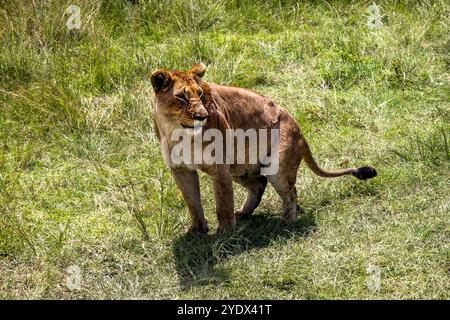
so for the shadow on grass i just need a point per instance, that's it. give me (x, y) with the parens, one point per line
(196, 256)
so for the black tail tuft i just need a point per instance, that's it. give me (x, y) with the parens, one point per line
(365, 173)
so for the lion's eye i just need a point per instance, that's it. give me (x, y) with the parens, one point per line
(181, 98)
(200, 94)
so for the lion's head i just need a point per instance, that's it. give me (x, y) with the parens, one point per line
(179, 96)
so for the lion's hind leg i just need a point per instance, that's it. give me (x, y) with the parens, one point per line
(284, 184)
(255, 189)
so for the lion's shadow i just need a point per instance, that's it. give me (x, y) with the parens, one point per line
(196, 257)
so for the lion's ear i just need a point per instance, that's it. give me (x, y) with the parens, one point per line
(199, 69)
(161, 80)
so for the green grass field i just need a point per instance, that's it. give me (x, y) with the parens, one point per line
(82, 180)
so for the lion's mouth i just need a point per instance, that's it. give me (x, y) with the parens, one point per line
(196, 123)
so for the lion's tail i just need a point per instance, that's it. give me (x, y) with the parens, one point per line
(362, 173)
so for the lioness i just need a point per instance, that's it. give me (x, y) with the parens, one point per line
(183, 97)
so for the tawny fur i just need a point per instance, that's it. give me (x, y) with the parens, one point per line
(225, 107)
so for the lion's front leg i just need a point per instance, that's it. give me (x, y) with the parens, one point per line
(223, 191)
(189, 185)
